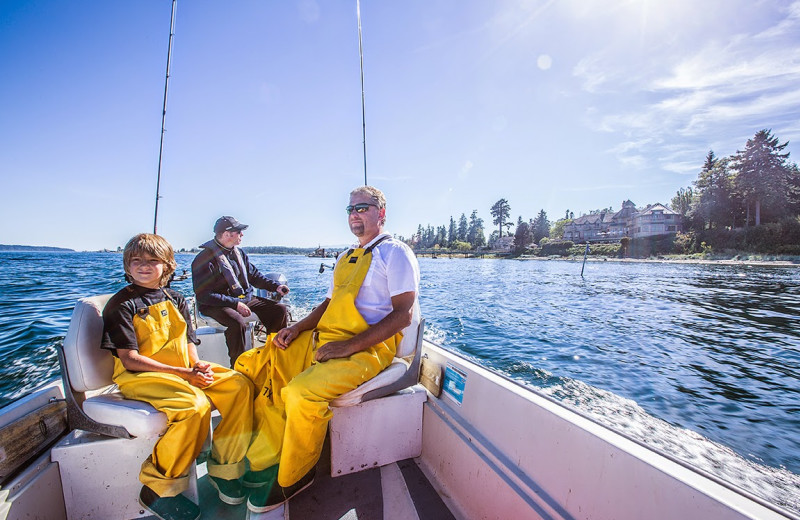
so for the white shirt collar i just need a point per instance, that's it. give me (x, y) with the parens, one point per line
(357, 245)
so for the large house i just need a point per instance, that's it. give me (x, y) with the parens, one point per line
(655, 219)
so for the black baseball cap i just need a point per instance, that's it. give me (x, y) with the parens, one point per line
(228, 224)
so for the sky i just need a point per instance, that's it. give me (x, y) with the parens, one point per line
(555, 105)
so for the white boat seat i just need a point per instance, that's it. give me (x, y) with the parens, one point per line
(387, 406)
(211, 322)
(93, 402)
(138, 417)
(402, 373)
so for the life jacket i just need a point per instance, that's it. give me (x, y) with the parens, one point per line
(238, 287)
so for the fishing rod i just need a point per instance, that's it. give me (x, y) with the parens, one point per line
(363, 105)
(164, 114)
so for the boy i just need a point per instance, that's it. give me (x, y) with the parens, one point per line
(148, 329)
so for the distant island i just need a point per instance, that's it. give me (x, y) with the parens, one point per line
(22, 249)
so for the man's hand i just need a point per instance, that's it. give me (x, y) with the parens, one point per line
(243, 309)
(282, 290)
(334, 350)
(284, 337)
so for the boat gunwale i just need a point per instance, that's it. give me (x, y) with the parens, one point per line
(585, 415)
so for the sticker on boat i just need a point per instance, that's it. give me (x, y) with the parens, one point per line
(454, 382)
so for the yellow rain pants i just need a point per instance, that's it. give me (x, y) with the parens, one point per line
(161, 335)
(291, 408)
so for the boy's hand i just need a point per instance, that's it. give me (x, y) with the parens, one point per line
(204, 367)
(201, 375)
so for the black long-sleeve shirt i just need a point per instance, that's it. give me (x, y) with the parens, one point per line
(210, 286)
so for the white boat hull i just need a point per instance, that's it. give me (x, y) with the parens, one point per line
(491, 449)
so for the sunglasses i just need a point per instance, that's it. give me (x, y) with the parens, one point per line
(359, 208)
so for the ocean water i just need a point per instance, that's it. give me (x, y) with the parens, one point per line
(700, 361)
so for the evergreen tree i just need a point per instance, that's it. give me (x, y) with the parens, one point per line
(762, 177)
(522, 237)
(541, 227)
(441, 236)
(794, 189)
(500, 211)
(463, 228)
(452, 233)
(714, 201)
(430, 237)
(475, 233)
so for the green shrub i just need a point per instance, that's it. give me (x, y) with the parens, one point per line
(555, 247)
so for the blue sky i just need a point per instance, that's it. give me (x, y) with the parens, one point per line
(554, 105)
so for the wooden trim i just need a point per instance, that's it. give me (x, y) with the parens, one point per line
(29, 435)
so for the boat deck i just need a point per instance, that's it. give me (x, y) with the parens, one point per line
(395, 491)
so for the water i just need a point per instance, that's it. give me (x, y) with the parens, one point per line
(701, 361)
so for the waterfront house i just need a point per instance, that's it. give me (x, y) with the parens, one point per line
(654, 219)
(588, 228)
(505, 243)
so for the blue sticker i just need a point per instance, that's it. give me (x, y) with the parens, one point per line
(454, 382)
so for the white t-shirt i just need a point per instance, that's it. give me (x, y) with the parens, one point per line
(374, 300)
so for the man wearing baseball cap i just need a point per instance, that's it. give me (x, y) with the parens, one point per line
(223, 280)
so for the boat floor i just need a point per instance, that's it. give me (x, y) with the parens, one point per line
(395, 491)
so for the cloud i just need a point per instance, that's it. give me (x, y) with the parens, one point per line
(465, 169)
(720, 89)
(592, 73)
(621, 188)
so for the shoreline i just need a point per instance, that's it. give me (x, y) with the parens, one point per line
(701, 261)
(789, 262)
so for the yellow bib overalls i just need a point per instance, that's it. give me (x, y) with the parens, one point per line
(161, 335)
(291, 408)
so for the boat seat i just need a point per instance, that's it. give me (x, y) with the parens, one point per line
(94, 403)
(387, 406)
(211, 322)
(111, 435)
(401, 373)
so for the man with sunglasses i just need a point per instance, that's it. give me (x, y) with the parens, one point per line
(346, 340)
(223, 280)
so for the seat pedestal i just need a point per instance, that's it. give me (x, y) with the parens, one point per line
(377, 432)
(90, 464)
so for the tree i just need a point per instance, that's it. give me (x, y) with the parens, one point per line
(522, 237)
(557, 229)
(714, 201)
(541, 227)
(463, 228)
(762, 177)
(475, 234)
(441, 236)
(682, 201)
(500, 211)
(452, 233)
